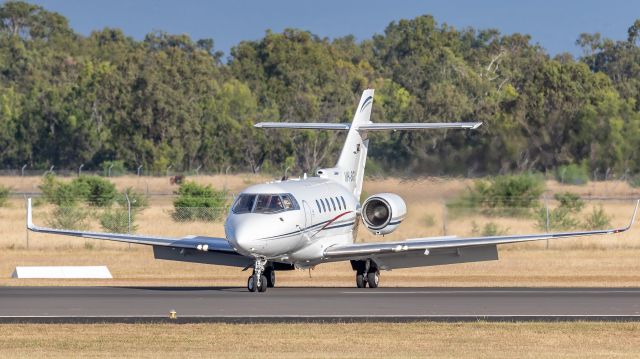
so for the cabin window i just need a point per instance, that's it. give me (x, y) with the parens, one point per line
(324, 209)
(318, 204)
(244, 203)
(344, 204)
(333, 204)
(339, 204)
(328, 205)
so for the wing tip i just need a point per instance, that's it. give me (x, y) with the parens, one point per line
(29, 215)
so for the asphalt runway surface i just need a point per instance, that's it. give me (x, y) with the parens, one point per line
(226, 304)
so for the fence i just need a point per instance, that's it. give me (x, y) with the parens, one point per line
(432, 217)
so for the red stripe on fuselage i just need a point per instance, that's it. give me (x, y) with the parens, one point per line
(334, 219)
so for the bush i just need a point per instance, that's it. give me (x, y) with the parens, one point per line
(562, 217)
(634, 181)
(69, 218)
(138, 200)
(198, 202)
(572, 174)
(60, 193)
(598, 219)
(96, 191)
(118, 168)
(117, 220)
(4, 195)
(488, 230)
(512, 195)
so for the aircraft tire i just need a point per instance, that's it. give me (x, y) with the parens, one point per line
(271, 277)
(251, 284)
(373, 278)
(263, 284)
(360, 282)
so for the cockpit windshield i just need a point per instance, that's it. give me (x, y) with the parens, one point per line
(264, 203)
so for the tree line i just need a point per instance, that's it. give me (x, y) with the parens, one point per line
(169, 100)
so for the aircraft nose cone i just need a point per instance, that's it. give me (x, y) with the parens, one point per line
(243, 239)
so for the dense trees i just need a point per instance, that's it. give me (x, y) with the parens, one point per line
(168, 100)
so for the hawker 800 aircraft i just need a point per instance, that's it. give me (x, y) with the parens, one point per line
(301, 223)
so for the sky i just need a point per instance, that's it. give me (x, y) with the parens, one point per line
(555, 25)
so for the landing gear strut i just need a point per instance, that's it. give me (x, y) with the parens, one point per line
(258, 281)
(367, 273)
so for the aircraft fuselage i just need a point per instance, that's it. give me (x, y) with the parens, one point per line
(292, 221)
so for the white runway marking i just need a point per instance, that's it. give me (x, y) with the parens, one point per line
(630, 291)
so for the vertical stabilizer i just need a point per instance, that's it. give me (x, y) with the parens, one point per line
(354, 153)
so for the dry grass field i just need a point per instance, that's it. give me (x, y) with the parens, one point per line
(409, 340)
(610, 260)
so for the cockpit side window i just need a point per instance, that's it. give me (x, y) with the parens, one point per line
(268, 203)
(289, 202)
(244, 203)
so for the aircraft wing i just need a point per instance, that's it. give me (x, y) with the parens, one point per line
(190, 248)
(445, 250)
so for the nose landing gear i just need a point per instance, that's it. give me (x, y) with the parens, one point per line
(263, 276)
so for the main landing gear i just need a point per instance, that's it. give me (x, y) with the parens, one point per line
(367, 273)
(263, 276)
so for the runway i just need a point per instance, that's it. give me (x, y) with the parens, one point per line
(225, 304)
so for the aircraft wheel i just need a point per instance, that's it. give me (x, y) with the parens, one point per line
(251, 284)
(271, 277)
(360, 282)
(373, 278)
(263, 284)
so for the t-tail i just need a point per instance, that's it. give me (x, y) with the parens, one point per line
(351, 164)
(353, 156)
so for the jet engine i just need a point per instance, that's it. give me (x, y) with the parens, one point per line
(383, 212)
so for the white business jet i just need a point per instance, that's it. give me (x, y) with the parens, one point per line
(300, 223)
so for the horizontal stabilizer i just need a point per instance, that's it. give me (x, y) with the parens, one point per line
(369, 126)
(417, 126)
(304, 125)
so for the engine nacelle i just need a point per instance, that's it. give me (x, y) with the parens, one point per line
(382, 213)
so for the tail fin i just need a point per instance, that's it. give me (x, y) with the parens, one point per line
(354, 153)
(350, 167)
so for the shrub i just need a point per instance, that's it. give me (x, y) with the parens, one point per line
(138, 200)
(429, 220)
(117, 220)
(60, 193)
(118, 168)
(488, 230)
(563, 216)
(69, 218)
(198, 202)
(97, 191)
(598, 219)
(94, 190)
(4, 195)
(572, 174)
(511, 195)
(634, 181)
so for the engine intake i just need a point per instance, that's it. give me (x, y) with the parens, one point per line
(382, 213)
